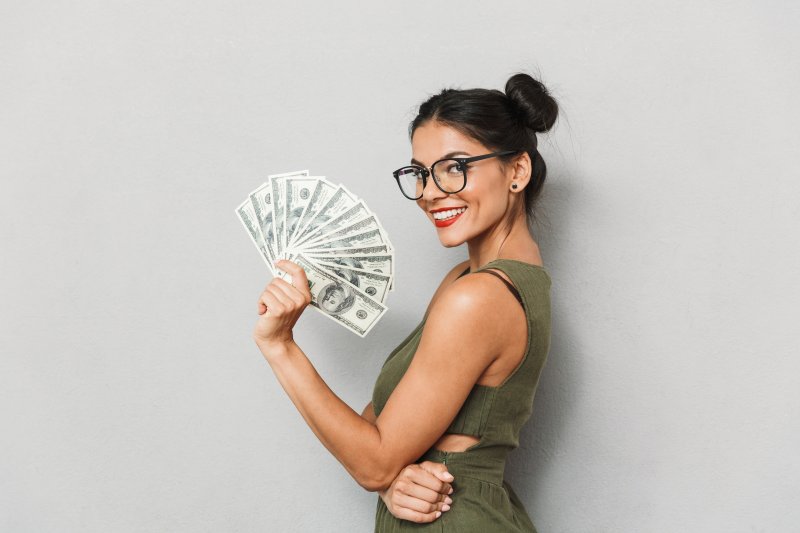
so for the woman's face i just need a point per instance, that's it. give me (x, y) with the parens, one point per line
(481, 205)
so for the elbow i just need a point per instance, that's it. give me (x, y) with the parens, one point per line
(377, 468)
(375, 478)
(374, 483)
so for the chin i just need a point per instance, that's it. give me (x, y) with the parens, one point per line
(451, 241)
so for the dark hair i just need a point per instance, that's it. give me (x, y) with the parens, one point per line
(499, 121)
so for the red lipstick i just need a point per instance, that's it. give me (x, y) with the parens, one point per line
(447, 221)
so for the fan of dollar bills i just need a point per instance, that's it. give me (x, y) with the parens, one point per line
(333, 236)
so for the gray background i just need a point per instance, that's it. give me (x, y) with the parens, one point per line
(132, 397)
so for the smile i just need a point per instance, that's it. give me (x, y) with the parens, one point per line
(446, 217)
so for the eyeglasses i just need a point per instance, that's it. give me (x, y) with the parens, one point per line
(449, 175)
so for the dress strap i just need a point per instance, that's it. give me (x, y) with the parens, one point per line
(513, 289)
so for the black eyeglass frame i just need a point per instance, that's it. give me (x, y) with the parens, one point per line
(462, 162)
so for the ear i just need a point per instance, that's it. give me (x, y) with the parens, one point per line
(520, 172)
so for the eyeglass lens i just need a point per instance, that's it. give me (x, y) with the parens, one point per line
(448, 174)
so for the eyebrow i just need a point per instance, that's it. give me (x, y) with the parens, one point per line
(446, 156)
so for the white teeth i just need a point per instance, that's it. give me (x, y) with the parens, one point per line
(450, 213)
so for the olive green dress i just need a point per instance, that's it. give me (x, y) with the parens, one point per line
(482, 500)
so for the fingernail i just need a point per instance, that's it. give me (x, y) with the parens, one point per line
(448, 500)
(445, 507)
(438, 514)
(449, 476)
(451, 490)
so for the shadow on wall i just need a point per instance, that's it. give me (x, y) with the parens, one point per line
(529, 467)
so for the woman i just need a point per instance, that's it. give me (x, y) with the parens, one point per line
(449, 402)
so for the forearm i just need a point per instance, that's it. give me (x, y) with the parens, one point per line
(355, 442)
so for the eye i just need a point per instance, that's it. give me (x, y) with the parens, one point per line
(455, 167)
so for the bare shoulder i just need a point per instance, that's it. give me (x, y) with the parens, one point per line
(472, 311)
(475, 293)
(451, 276)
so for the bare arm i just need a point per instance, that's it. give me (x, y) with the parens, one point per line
(420, 492)
(458, 330)
(368, 413)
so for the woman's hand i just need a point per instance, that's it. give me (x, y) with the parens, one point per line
(280, 305)
(419, 493)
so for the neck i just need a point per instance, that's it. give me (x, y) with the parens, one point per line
(503, 242)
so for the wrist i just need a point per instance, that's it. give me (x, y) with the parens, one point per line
(275, 348)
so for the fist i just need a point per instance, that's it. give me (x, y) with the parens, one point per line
(281, 304)
(420, 493)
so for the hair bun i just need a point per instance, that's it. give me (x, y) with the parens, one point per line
(537, 109)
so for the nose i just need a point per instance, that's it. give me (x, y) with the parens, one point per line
(430, 191)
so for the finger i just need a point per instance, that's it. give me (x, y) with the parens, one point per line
(415, 516)
(415, 504)
(299, 279)
(437, 469)
(272, 305)
(441, 472)
(422, 494)
(280, 295)
(262, 307)
(421, 484)
(423, 477)
(291, 292)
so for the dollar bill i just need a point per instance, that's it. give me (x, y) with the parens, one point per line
(261, 200)
(332, 235)
(365, 224)
(380, 264)
(337, 204)
(371, 258)
(365, 239)
(278, 187)
(247, 216)
(339, 300)
(373, 284)
(299, 191)
(322, 193)
(345, 219)
(381, 249)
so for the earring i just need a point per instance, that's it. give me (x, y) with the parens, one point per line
(514, 186)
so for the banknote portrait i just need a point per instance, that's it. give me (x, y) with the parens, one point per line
(335, 299)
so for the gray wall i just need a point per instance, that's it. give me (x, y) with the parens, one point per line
(132, 397)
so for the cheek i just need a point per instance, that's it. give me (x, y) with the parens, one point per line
(479, 189)
(474, 196)
(485, 201)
